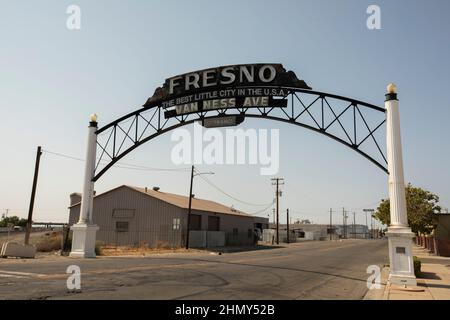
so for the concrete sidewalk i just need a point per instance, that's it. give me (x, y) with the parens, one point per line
(433, 284)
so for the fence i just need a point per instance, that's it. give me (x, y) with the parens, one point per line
(206, 239)
(439, 247)
(6, 229)
(168, 237)
(162, 238)
(240, 239)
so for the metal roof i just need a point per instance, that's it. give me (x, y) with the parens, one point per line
(181, 201)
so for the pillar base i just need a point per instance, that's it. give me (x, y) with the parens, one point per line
(83, 240)
(400, 256)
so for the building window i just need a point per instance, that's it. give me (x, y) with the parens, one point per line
(176, 223)
(235, 231)
(122, 226)
(123, 213)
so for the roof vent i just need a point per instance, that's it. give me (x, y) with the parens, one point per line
(156, 188)
(145, 189)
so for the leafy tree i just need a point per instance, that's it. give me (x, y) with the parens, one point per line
(14, 220)
(22, 223)
(421, 205)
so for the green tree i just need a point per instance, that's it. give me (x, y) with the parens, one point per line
(14, 220)
(421, 206)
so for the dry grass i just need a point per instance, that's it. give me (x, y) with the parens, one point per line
(48, 242)
(141, 251)
(35, 237)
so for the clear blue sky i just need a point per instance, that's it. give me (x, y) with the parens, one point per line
(51, 79)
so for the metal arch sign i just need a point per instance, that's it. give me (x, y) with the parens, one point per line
(233, 86)
(247, 91)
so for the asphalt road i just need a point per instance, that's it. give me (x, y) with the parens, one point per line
(310, 270)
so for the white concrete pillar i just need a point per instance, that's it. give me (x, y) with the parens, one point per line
(399, 234)
(84, 232)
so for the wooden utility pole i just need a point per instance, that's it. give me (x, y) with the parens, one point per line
(344, 229)
(287, 224)
(33, 194)
(278, 216)
(331, 223)
(354, 226)
(190, 208)
(277, 193)
(371, 226)
(367, 227)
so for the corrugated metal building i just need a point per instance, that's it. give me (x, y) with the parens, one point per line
(132, 216)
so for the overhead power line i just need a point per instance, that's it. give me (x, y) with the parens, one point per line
(262, 210)
(234, 198)
(121, 165)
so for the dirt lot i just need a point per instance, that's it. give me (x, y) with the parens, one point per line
(49, 241)
(134, 251)
(41, 239)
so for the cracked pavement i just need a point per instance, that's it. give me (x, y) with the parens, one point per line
(308, 270)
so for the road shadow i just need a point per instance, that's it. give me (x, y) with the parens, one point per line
(429, 275)
(435, 285)
(435, 260)
(242, 249)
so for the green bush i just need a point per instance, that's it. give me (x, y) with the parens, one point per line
(417, 266)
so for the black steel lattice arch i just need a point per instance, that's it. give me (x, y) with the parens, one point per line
(351, 122)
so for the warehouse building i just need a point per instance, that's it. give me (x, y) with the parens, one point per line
(133, 216)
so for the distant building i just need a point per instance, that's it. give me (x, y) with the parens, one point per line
(321, 231)
(358, 231)
(133, 216)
